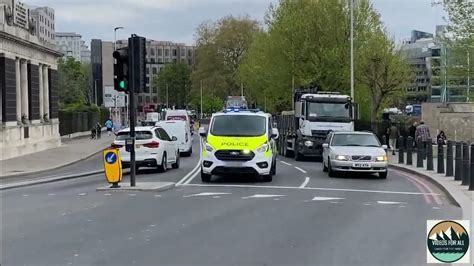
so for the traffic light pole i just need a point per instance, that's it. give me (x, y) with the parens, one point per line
(131, 104)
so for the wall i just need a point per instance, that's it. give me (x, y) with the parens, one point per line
(455, 119)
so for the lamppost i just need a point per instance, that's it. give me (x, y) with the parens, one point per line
(352, 49)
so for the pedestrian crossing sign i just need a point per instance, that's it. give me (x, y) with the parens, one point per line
(112, 165)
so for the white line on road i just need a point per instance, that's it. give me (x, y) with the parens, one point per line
(262, 196)
(283, 162)
(437, 199)
(207, 194)
(195, 169)
(301, 170)
(305, 182)
(192, 177)
(389, 202)
(326, 198)
(314, 188)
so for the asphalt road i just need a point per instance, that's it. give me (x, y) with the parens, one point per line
(303, 217)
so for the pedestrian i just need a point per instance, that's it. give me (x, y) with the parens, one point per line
(93, 133)
(393, 134)
(412, 131)
(422, 132)
(441, 138)
(98, 128)
(109, 125)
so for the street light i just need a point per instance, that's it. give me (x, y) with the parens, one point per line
(352, 49)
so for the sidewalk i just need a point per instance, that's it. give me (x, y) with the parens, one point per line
(460, 194)
(71, 150)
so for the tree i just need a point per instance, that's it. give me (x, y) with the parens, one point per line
(173, 81)
(385, 72)
(220, 48)
(74, 82)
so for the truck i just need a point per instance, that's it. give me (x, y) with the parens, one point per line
(304, 129)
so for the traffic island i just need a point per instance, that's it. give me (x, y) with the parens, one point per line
(140, 186)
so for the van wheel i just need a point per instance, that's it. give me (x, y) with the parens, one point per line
(274, 168)
(205, 178)
(190, 151)
(176, 164)
(267, 178)
(164, 164)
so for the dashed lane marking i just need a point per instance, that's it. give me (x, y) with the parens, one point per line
(389, 202)
(305, 182)
(259, 196)
(301, 170)
(206, 194)
(325, 198)
(283, 162)
(313, 188)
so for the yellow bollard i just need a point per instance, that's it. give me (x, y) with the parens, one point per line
(112, 166)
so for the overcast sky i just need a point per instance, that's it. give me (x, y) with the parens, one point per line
(176, 20)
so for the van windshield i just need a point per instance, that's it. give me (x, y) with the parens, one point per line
(238, 125)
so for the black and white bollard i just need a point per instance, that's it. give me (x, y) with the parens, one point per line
(401, 151)
(458, 162)
(449, 159)
(409, 151)
(429, 155)
(440, 168)
(419, 153)
(465, 164)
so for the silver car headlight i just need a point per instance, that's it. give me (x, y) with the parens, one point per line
(342, 157)
(263, 148)
(209, 148)
(381, 158)
(308, 143)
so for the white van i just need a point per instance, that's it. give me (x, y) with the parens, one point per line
(180, 130)
(178, 115)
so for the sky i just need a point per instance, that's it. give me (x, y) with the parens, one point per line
(176, 20)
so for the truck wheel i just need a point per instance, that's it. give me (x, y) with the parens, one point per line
(205, 178)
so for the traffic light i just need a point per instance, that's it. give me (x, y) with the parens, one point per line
(121, 70)
(137, 47)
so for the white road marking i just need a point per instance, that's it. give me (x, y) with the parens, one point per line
(314, 188)
(283, 162)
(107, 194)
(51, 194)
(157, 196)
(82, 194)
(132, 195)
(326, 198)
(335, 202)
(152, 225)
(25, 195)
(367, 204)
(301, 170)
(436, 208)
(216, 197)
(262, 196)
(276, 199)
(389, 202)
(192, 177)
(207, 194)
(401, 206)
(305, 182)
(195, 169)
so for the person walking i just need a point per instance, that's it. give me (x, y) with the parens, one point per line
(412, 131)
(109, 125)
(441, 138)
(393, 134)
(98, 128)
(422, 132)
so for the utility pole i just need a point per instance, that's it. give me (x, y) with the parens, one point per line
(242, 89)
(167, 97)
(468, 76)
(352, 49)
(119, 113)
(292, 91)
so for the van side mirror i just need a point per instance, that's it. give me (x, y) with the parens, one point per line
(275, 133)
(202, 132)
(174, 138)
(325, 145)
(385, 147)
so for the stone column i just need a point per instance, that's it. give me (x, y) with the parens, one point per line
(18, 89)
(41, 99)
(24, 88)
(46, 92)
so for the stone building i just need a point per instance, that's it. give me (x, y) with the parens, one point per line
(28, 90)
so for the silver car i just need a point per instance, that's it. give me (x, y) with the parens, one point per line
(354, 152)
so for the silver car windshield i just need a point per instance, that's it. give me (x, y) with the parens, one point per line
(355, 140)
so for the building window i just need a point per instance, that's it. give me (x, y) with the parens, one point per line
(160, 52)
(154, 70)
(147, 80)
(167, 52)
(174, 60)
(160, 60)
(147, 71)
(190, 62)
(189, 53)
(152, 51)
(175, 52)
(167, 60)
(153, 60)
(148, 98)
(183, 52)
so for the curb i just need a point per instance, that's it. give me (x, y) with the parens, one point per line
(47, 180)
(431, 180)
(54, 168)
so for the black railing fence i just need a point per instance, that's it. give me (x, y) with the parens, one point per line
(73, 122)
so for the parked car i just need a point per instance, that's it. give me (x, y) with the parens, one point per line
(354, 152)
(181, 131)
(154, 147)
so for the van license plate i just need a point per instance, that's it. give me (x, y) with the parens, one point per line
(361, 165)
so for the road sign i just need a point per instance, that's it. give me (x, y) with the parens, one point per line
(112, 166)
(113, 98)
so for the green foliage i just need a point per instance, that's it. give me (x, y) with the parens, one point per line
(177, 78)
(74, 83)
(210, 104)
(220, 48)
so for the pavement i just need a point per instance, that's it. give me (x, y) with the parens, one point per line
(303, 217)
(42, 163)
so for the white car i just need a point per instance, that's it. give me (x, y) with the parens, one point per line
(154, 147)
(180, 130)
(354, 152)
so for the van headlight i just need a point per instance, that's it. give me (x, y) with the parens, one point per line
(209, 148)
(382, 158)
(342, 157)
(263, 148)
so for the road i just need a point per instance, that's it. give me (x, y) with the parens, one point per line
(303, 217)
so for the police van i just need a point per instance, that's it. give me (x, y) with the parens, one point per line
(239, 142)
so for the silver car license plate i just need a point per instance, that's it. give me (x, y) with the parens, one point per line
(361, 165)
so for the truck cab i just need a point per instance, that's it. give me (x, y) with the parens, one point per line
(315, 115)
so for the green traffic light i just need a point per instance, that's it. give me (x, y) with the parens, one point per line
(122, 84)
